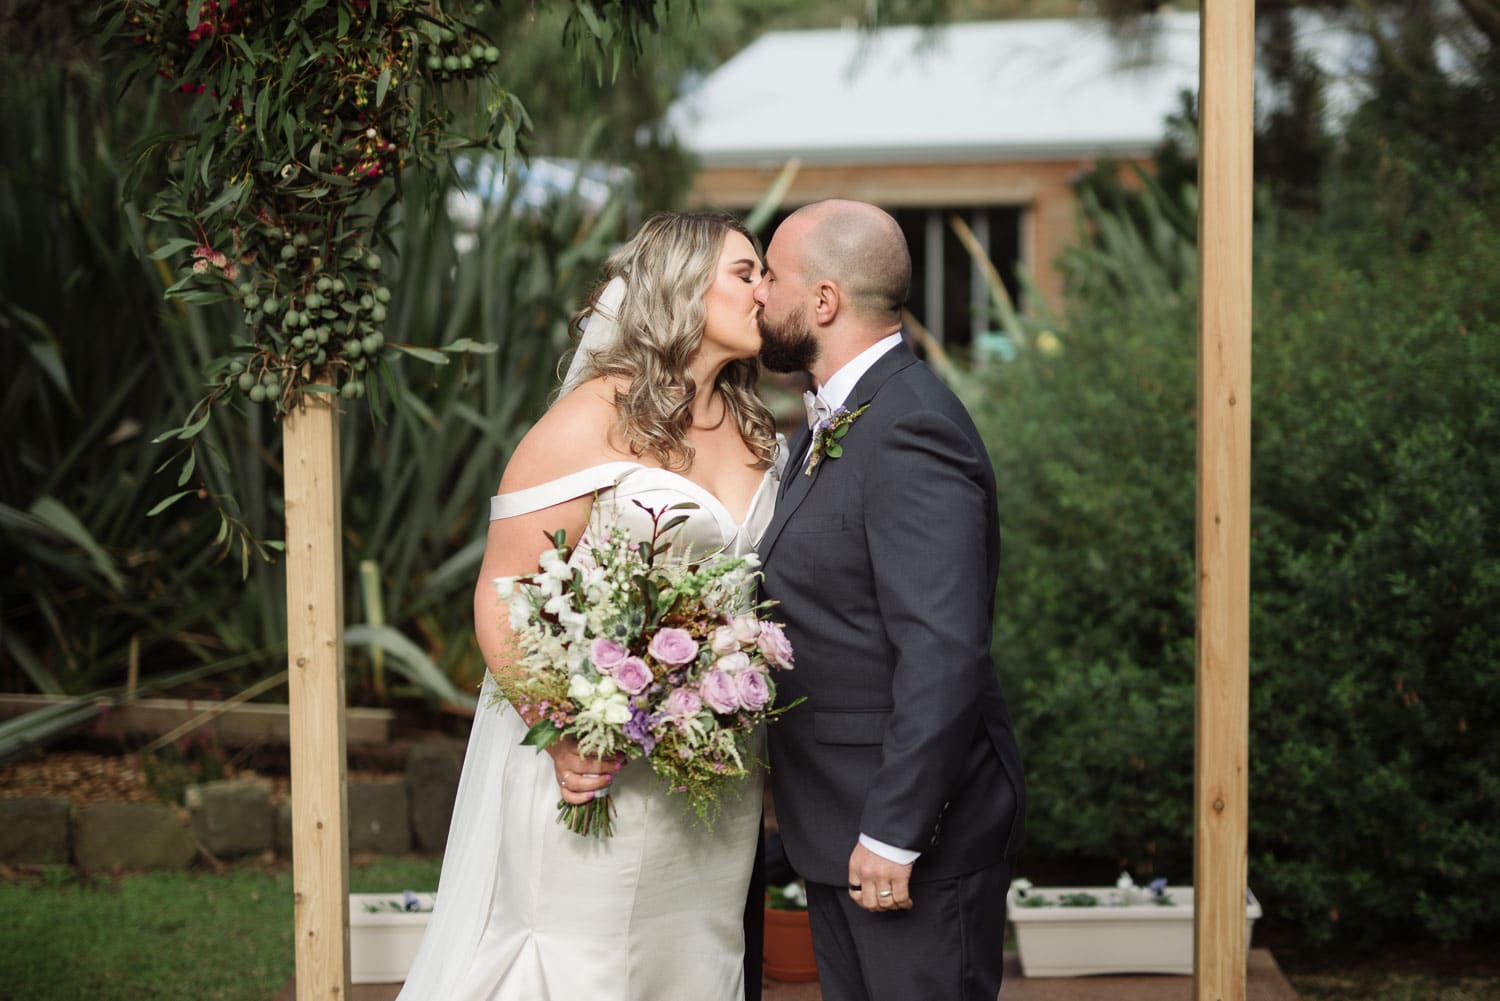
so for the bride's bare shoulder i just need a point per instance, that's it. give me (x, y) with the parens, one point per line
(573, 434)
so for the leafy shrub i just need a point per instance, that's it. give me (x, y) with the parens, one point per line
(1375, 618)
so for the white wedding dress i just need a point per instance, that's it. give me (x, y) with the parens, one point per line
(528, 911)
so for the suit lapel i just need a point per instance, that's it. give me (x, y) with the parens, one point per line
(796, 485)
(869, 384)
(795, 451)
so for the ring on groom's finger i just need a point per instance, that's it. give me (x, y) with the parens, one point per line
(883, 893)
(855, 887)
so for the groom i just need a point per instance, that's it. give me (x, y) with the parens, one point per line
(897, 783)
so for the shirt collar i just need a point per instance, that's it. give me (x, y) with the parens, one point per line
(838, 387)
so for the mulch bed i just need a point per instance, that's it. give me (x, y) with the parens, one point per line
(86, 777)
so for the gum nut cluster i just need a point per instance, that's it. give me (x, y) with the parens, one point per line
(449, 57)
(329, 315)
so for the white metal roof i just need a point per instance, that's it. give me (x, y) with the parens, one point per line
(1000, 89)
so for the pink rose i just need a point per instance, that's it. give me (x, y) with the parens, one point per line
(723, 640)
(746, 628)
(632, 675)
(720, 692)
(774, 645)
(607, 654)
(733, 663)
(755, 691)
(673, 646)
(683, 702)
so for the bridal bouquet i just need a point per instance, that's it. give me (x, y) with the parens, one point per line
(638, 651)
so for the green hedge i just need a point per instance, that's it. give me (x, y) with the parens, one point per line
(1375, 619)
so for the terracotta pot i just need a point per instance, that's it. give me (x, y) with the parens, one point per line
(789, 948)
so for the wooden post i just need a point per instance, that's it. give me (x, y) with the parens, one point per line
(315, 653)
(1221, 786)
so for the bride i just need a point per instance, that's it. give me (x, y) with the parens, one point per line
(657, 407)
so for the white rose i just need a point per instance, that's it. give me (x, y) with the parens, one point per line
(580, 689)
(746, 628)
(607, 687)
(723, 641)
(733, 663)
(617, 712)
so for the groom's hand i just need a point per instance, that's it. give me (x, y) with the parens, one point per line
(882, 884)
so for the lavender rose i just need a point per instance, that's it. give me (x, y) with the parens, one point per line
(607, 654)
(720, 692)
(673, 646)
(632, 675)
(774, 645)
(682, 703)
(754, 690)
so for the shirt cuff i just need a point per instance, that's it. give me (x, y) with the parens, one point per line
(900, 856)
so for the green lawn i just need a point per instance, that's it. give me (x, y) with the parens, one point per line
(201, 936)
(167, 936)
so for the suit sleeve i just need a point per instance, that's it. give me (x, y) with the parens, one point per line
(925, 528)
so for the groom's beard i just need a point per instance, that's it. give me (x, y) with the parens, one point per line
(789, 346)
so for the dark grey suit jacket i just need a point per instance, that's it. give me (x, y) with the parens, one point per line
(884, 564)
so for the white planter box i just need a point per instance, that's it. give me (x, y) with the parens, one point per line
(383, 943)
(1058, 941)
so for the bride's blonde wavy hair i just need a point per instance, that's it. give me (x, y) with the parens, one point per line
(668, 267)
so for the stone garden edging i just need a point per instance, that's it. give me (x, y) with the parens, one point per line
(227, 820)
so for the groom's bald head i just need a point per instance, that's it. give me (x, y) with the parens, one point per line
(860, 248)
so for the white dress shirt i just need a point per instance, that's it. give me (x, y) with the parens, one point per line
(839, 385)
(834, 392)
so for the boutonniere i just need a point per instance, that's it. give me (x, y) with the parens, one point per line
(828, 435)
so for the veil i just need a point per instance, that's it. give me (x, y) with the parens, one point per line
(466, 888)
(600, 333)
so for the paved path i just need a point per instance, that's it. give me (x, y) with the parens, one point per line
(1265, 983)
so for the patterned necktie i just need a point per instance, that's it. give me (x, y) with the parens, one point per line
(817, 408)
